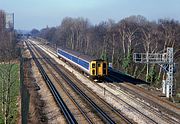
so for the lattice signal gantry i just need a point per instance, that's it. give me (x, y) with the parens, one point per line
(161, 59)
(150, 58)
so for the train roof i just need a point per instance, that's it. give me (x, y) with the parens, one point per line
(80, 55)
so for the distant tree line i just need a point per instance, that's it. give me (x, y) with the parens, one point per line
(117, 41)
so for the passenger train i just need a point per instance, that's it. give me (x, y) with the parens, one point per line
(96, 68)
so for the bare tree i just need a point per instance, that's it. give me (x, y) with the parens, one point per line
(7, 80)
(118, 41)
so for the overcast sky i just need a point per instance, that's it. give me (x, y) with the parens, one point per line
(40, 13)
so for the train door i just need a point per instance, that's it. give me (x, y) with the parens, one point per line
(104, 68)
(99, 68)
(93, 68)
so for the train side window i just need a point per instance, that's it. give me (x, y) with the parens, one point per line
(93, 65)
(104, 65)
(99, 65)
(93, 72)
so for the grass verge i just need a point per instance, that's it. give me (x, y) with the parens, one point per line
(9, 73)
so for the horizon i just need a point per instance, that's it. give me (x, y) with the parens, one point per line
(156, 21)
(40, 14)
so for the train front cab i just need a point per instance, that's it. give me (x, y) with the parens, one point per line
(98, 69)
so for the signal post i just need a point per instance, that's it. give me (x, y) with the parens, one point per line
(165, 60)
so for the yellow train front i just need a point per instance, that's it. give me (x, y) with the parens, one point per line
(96, 68)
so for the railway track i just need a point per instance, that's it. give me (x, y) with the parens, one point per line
(108, 114)
(78, 112)
(133, 92)
(165, 118)
(174, 110)
(154, 98)
(67, 113)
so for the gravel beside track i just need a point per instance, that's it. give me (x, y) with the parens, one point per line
(103, 109)
(111, 97)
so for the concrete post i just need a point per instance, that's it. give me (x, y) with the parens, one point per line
(164, 86)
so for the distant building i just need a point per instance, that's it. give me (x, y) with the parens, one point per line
(7, 37)
(6, 21)
(2, 21)
(23, 34)
(10, 21)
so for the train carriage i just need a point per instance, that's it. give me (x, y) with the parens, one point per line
(96, 68)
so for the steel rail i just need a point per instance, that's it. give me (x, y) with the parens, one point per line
(164, 117)
(100, 112)
(67, 113)
(64, 89)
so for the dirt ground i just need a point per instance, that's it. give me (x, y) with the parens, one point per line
(42, 107)
(19, 111)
